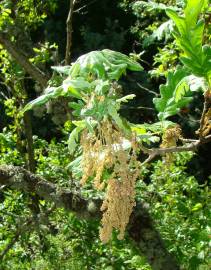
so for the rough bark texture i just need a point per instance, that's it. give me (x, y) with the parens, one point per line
(140, 229)
(23, 180)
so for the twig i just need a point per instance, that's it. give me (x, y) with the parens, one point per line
(193, 145)
(187, 140)
(69, 23)
(83, 7)
(30, 160)
(148, 90)
(150, 157)
(138, 108)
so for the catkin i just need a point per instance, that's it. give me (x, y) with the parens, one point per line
(103, 150)
(169, 139)
(207, 123)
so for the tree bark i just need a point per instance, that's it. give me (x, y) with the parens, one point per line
(69, 23)
(23, 61)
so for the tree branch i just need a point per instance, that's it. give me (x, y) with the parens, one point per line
(25, 181)
(23, 61)
(193, 145)
(140, 229)
(85, 6)
(147, 90)
(69, 33)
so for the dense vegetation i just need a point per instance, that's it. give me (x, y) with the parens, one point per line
(105, 131)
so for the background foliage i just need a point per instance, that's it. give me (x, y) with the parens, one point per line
(177, 196)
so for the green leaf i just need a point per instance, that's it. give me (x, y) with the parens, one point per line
(116, 117)
(125, 98)
(117, 58)
(101, 87)
(76, 168)
(80, 123)
(197, 207)
(49, 93)
(190, 36)
(147, 138)
(75, 87)
(90, 124)
(163, 31)
(92, 63)
(157, 127)
(138, 5)
(166, 104)
(138, 129)
(3, 138)
(147, 132)
(179, 21)
(192, 11)
(73, 139)
(105, 64)
(69, 88)
(207, 62)
(62, 69)
(191, 44)
(191, 83)
(143, 134)
(77, 106)
(74, 70)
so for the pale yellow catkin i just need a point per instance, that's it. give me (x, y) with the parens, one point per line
(169, 139)
(100, 154)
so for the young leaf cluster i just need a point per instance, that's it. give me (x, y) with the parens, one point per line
(90, 83)
(195, 75)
